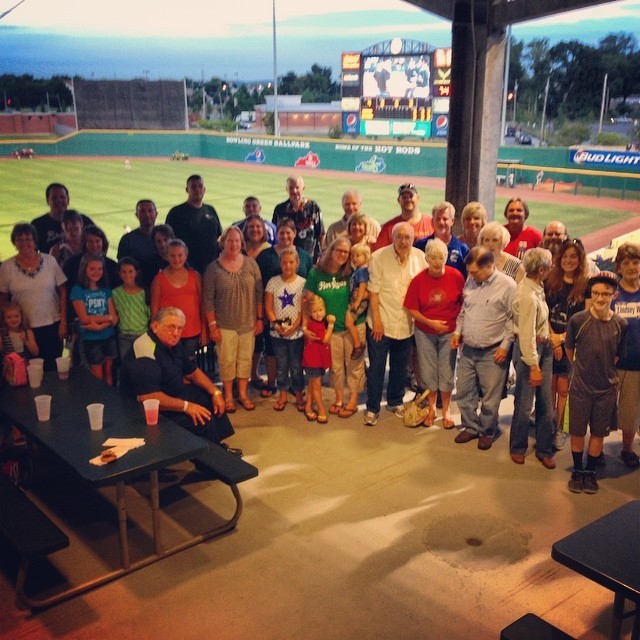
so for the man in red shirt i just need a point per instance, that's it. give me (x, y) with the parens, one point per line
(409, 202)
(523, 237)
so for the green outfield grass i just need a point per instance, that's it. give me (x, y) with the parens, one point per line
(105, 191)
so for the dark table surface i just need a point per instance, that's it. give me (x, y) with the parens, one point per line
(68, 435)
(607, 551)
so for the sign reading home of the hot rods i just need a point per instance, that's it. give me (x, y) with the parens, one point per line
(599, 157)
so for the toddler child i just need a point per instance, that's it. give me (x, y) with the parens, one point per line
(316, 355)
(16, 335)
(358, 301)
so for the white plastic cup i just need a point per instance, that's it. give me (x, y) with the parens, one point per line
(151, 411)
(38, 362)
(43, 407)
(62, 364)
(35, 373)
(95, 411)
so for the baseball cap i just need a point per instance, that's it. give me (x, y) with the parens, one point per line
(407, 187)
(604, 277)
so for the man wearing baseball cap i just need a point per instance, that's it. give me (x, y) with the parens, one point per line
(409, 201)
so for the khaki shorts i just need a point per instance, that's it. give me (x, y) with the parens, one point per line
(234, 354)
(628, 401)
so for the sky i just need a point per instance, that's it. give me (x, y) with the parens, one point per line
(233, 39)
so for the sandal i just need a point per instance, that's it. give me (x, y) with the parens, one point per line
(347, 412)
(246, 404)
(301, 406)
(430, 419)
(322, 419)
(335, 408)
(279, 405)
(311, 416)
(447, 423)
(267, 391)
(357, 352)
(230, 407)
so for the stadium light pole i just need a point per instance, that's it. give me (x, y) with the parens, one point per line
(276, 117)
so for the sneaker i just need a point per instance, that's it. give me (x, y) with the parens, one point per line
(630, 459)
(589, 482)
(398, 410)
(370, 418)
(560, 439)
(575, 483)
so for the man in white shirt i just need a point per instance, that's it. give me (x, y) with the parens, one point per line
(389, 325)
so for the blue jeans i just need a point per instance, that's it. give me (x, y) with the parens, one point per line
(398, 352)
(288, 363)
(478, 373)
(524, 397)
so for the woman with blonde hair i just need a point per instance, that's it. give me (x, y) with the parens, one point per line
(473, 218)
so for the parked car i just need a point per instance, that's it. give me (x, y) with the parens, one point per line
(524, 138)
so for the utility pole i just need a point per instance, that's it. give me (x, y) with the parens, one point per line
(604, 99)
(276, 116)
(544, 110)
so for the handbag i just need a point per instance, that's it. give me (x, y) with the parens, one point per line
(15, 369)
(417, 411)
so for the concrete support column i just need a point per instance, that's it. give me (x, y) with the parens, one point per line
(474, 117)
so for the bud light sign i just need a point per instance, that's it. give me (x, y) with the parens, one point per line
(350, 123)
(441, 123)
(590, 157)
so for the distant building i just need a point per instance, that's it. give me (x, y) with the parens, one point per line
(295, 116)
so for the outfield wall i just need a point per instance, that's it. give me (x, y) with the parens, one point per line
(361, 156)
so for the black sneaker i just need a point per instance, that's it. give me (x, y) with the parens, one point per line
(233, 451)
(589, 482)
(575, 483)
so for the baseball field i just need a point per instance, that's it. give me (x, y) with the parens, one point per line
(106, 191)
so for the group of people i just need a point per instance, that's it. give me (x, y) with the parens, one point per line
(450, 312)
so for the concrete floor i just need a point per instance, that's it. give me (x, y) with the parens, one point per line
(353, 532)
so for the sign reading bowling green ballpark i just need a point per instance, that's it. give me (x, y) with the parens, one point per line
(396, 83)
(603, 158)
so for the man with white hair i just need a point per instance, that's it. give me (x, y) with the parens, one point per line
(389, 325)
(351, 205)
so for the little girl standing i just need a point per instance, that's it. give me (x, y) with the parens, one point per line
(359, 296)
(283, 308)
(16, 335)
(316, 356)
(130, 300)
(93, 303)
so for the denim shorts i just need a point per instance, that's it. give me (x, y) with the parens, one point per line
(97, 351)
(314, 372)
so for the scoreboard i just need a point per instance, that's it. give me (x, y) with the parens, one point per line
(397, 89)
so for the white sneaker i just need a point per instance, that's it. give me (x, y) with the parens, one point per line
(560, 439)
(398, 410)
(370, 418)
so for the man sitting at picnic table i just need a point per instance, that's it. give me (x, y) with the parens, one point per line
(158, 367)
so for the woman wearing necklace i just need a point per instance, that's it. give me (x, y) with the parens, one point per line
(232, 302)
(36, 282)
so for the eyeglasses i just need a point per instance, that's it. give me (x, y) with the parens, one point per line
(407, 187)
(601, 294)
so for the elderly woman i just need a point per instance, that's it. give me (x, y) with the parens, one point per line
(434, 300)
(495, 237)
(359, 232)
(36, 282)
(473, 218)
(533, 360)
(329, 279)
(269, 264)
(232, 302)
